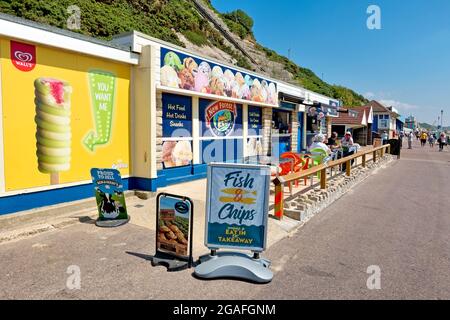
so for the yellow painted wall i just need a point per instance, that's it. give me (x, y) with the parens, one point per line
(19, 127)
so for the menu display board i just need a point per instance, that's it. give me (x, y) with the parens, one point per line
(174, 225)
(176, 130)
(237, 206)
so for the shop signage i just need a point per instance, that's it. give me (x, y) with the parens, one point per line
(174, 231)
(177, 116)
(220, 117)
(322, 110)
(186, 72)
(287, 105)
(177, 123)
(237, 206)
(254, 120)
(23, 56)
(109, 194)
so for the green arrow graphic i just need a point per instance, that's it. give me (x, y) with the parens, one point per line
(102, 85)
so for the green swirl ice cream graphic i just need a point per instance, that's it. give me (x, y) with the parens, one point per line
(102, 85)
(53, 135)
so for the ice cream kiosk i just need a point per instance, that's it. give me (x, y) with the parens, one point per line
(198, 111)
(156, 112)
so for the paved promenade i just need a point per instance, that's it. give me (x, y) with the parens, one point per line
(397, 220)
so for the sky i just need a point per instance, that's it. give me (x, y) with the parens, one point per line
(405, 64)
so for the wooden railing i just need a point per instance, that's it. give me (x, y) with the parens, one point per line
(281, 181)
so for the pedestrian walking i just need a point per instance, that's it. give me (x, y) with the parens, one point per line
(442, 141)
(410, 140)
(423, 138)
(431, 140)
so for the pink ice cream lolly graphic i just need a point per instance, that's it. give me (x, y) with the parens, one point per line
(53, 134)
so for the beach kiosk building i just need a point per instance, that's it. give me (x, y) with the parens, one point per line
(193, 110)
(156, 112)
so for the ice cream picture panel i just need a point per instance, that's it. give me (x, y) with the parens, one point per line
(53, 134)
(63, 114)
(182, 71)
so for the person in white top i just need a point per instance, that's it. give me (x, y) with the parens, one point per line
(442, 141)
(347, 140)
(410, 140)
(318, 142)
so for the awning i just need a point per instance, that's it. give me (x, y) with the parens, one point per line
(290, 98)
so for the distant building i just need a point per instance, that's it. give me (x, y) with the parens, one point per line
(411, 123)
(384, 119)
(357, 120)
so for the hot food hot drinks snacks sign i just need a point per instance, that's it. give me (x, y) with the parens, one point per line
(237, 206)
(185, 72)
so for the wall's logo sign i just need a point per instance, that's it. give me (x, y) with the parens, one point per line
(220, 118)
(23, 56)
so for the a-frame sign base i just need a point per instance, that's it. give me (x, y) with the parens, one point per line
(170, 262)
(234, 265)
(111, 223)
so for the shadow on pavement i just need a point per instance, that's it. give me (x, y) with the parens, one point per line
(87, 220)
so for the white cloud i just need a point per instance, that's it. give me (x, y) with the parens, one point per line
(401, 106)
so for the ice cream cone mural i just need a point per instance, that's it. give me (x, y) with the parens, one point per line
(53, 136)
(102, 86)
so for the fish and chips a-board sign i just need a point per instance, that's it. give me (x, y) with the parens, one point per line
(110, 197)
(174, 232)
(236, 218)
(237, 208)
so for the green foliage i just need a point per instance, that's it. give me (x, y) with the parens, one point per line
(105, 18)
(196, 38)
(240, 17)
(236, 28)
(239, 23)
(309, 80)
(348, 96)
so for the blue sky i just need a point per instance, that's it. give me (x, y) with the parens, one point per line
(405, 64)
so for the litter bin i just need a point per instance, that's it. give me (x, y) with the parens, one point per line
(395, 147)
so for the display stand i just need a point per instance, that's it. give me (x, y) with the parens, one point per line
(110, 198)
(111, 223)
(234, 265)
(170, 260)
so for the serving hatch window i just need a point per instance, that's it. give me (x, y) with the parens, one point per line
(281, 121)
